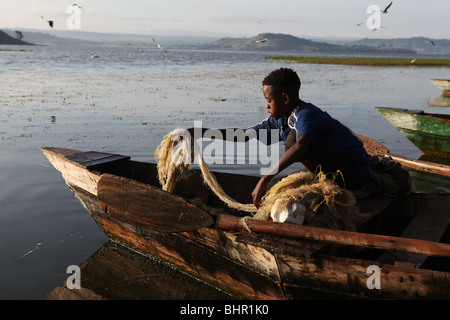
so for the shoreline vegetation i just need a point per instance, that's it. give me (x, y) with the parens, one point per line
(364, 61)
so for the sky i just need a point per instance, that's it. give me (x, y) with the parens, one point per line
(234, 18)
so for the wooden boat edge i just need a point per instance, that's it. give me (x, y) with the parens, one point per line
(429, 132)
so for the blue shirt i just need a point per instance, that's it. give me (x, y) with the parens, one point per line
(308, 119)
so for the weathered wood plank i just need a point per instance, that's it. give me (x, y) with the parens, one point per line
(187, 254)
(92, 159)
(335, 236)
(425, 166)
(146, 206)
(252, 256)
(73, 173)
(338, 277)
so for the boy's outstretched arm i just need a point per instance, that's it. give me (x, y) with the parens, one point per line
(293, 154)
(226, 134)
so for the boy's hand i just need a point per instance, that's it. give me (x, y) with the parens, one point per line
(259, 190)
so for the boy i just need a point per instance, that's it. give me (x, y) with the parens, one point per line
(310, 135)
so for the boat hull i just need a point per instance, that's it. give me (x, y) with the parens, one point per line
(430, 133)
(261, 266)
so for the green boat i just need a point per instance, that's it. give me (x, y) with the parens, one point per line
(429, 132)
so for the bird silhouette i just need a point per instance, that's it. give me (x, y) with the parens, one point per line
(430, 42)
(159, 46)
(386, 9)
(50, 22)
(262, 40)
(76, 5)
(381, 27)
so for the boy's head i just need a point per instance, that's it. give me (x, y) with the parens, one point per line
(281, 88)
(283, 79)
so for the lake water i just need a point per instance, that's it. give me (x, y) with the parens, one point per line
(125, 102)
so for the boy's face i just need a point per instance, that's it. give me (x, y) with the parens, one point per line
(277, 103)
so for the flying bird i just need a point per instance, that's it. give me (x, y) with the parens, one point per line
(76, 5)
(430, 42)
(386, 9)
(375, 29)
(262, 40)
(159, 46)
(19, 35)
(50, 22)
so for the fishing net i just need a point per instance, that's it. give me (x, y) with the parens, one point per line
(173, 164)
(315, 198)
(323, 202)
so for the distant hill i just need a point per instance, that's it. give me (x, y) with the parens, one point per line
(83, 38)
(421, 45)
(7, 39)
(267, 42)
(288, 43)
(46, 39)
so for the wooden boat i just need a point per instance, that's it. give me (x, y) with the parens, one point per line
(428, 132)
(443, 85)
(400, 243)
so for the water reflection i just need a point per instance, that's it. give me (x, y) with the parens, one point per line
(441, 101)
(428, 182)
(118, 273)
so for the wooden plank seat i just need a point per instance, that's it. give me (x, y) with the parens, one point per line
(368, 210)
(92, 159)
(430, 223)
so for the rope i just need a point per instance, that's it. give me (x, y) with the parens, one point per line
(173, 164)
(312, 190)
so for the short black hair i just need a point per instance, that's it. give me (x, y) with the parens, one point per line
(283, 78)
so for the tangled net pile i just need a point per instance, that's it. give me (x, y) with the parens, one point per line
(327, 204)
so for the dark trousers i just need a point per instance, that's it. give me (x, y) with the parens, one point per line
(332, 161)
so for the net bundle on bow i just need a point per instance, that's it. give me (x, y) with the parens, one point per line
(314, 192)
